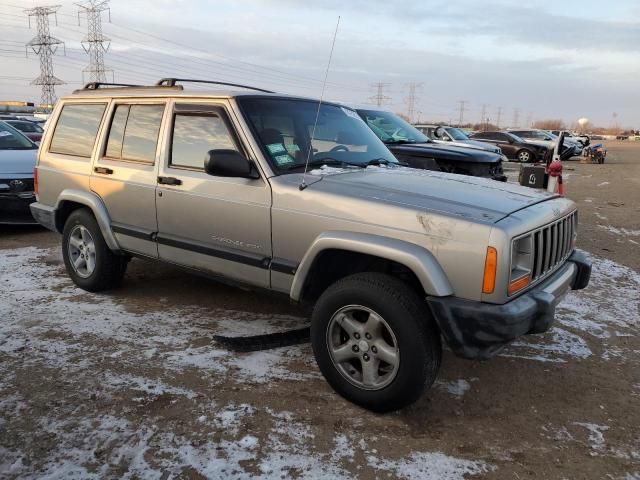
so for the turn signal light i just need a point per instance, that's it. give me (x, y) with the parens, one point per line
(518, 284)
(490, 268)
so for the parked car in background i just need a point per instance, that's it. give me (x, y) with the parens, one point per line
(581, 138)
(31, 130)
(570, 147)
(415, 149)
(514, 147)
(454, 136)
(301, 198)
(17, 161)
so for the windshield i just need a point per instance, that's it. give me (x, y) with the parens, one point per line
(12, 139)
(26, 127)
(457, 134)
(285, 130)
(392, 129)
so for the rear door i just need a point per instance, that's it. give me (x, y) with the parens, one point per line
(218, 224)
(125, 172)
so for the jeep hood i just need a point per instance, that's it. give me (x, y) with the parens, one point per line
(446, 152)
(472, 198)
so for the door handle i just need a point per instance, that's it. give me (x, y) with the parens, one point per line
(169, 181)
(103, 170)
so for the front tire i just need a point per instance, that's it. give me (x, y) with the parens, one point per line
(524, 156)
(375, 342)
(89, 262)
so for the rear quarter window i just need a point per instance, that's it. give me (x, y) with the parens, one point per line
(77, 128)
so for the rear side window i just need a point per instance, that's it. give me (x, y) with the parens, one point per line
(77, 128)
(194, 135)
(134, 132)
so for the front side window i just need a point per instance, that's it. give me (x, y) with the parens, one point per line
(77, 128)
(134, 132)
(194, 134)
(285, 129)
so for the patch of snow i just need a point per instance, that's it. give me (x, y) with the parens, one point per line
(602, 184)
(430, 466)
(596, 434)
(456, 388)
(625, 232)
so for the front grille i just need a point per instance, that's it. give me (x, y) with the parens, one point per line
(17, 185)
(552, 245)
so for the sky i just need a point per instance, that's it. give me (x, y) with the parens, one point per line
(544, 59)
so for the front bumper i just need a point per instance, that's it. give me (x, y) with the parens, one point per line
(14, 208)
(478, 330)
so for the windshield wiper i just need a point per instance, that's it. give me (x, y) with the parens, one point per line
(400, 142)
(325, 161)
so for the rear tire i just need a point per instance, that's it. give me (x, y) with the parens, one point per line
(90, 263)
(375, 341)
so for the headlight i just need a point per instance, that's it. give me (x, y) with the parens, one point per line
(521, 263)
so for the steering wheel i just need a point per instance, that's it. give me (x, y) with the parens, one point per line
(339, 148)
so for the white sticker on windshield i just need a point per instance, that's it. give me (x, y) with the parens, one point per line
(276, 148)
(6, 134)
(350, 113)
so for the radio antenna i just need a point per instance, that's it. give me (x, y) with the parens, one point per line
(303, 184)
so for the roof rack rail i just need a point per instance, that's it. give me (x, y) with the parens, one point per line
(171, 82)
(97, 85)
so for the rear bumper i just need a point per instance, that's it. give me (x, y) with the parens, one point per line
(14, 208)
(44, 215)
(479, 330)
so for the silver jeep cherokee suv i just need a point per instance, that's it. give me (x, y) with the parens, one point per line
(391, 258)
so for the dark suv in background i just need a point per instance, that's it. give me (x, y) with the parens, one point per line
(515, 147)
(416, 150)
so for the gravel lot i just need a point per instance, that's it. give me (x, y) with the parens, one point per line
(130, 384)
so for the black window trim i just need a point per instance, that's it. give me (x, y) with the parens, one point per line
(201, 110)
(130, 103)
(53, 134)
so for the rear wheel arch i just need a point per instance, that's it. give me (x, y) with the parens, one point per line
(71, 200)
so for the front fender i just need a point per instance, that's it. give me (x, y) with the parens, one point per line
(416, 258)
(94, 202)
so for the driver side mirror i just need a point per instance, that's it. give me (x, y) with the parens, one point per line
(229, 163)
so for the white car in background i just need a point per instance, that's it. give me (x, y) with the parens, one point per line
(456, 137)
(17, 161)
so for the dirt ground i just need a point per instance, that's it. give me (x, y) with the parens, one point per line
(130, 385)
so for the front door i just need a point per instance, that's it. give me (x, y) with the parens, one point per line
(218, 224)
(125, 173)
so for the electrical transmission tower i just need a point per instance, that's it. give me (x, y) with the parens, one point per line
(411, 100)
(45, 46)
(380, 98)
(462, 104)
(483, 114)
(499, 116)
(516, 117)
(94, 42)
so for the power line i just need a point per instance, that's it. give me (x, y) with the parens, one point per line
(483, 113)
(45, 46)
(380, 98)
(94, 42)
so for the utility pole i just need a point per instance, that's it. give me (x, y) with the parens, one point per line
(516, 118)
(411, 100)
(380, 98)
(462, 104)
(94, 42)
(498, 117)
(45, 46)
